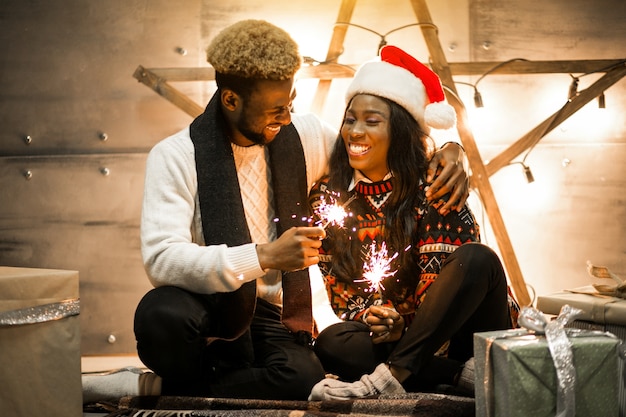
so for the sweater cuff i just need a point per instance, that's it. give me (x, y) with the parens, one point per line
(244, 262)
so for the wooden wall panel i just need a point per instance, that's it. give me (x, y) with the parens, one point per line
(66, 73)
(311, 24)
(575, 211)
(69, 215)
(66, 77)
(539, 30)
(547, 30)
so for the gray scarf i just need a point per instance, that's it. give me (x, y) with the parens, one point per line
(223, 217)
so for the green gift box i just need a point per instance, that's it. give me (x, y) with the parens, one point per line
(515, 374)
(598, 312)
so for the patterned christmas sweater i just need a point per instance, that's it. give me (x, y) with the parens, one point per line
(404, 289)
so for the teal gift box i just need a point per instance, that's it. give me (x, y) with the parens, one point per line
(515, 374)
(598, 312)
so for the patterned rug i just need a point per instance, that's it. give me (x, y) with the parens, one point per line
(405, 405)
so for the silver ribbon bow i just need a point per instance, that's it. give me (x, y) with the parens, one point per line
(41, 313)
(560, 350)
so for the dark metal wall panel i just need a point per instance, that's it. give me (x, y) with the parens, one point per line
(66, 81)
(66, 73)
(80, 213)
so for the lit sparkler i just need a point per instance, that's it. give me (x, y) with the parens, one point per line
(377, 267)
(333, 213)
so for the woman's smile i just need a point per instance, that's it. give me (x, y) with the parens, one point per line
(358, 149)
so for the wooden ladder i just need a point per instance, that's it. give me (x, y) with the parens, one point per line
(158, 79)
(480, 178)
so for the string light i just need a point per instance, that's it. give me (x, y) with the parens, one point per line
(530, 178)
(529, 175)
(573, 88)
(383, 37)
(478, 98)
(601, 102)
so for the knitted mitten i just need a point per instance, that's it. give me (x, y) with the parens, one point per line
(378, 382)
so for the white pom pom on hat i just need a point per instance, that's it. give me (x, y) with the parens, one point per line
(401, 78)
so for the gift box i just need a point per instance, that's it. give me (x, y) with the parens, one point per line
(40, 371)
(515, 374)
(595, 308)
(598, 312)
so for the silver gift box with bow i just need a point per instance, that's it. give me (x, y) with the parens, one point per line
(545, 369)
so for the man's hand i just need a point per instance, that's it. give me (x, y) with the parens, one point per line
(295, 249)
(447, 168)
(386, 324)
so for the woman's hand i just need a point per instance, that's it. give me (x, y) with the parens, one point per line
(385, 323)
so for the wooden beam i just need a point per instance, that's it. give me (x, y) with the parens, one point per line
(535, 67)
(480, 177)
(571, 106)
(165, 90)
(158, 78)
(332, 70)
(324, 71)
(184, 74)
(334, 50)
(327, 71)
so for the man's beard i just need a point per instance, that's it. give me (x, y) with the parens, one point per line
(244, 129)
(255, 137)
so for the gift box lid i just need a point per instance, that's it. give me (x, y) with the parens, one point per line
(595, 308)
(29, 287)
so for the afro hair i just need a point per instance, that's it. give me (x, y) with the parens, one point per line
(254, 49)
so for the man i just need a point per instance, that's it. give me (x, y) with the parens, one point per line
(225, 235)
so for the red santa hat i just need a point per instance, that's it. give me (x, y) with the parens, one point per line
(401, 78)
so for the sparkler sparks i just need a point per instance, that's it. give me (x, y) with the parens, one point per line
(377, 267)
(332, 213)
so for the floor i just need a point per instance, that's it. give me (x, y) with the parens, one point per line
(107, 363)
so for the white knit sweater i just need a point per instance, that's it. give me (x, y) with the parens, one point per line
(172, 242)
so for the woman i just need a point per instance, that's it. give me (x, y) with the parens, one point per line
(413, 329)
